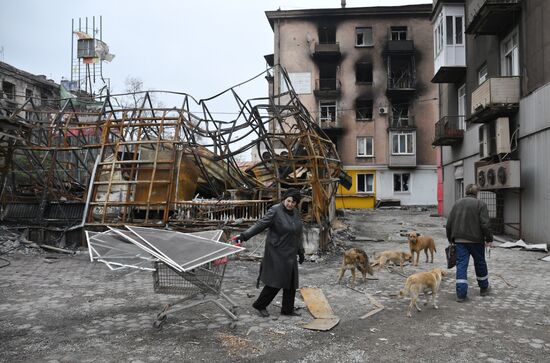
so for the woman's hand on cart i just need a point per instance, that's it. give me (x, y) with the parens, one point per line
(237, 240)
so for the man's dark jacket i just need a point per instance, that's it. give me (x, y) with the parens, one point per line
(282, 245)
(469, 220)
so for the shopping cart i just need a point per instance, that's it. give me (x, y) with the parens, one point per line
(189, 265)
(203, 281)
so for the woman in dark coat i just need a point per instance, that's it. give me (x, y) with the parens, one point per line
(283, 243)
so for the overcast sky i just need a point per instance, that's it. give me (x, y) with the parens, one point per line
(199, 47)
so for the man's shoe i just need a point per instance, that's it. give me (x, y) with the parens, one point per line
(294, 313)
(462, 299)
(486, 291)
(262, 312)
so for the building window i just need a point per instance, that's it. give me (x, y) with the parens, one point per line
(403, 143)
(363, 37)
(459, 189)
(363, 72)
(365, 146)
(365, 183)
(400, 115)
(401, 182)
(327, 111)
(482, 73)
(438, 37)
(459, 30)
(510, 54)
(8, 90)
(28, 93)
(398, 33)
(363, 109)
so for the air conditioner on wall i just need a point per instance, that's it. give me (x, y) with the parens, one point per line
(494, 138)
(501, 175)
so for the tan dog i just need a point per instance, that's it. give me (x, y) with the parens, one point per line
(397, 257)
(422, 282)
(355, 257)
(418, 243)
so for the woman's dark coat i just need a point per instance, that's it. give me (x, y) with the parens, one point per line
(283, 243)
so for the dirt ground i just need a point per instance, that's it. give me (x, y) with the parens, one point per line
(61, 308)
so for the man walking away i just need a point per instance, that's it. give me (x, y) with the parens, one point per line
(468, 229)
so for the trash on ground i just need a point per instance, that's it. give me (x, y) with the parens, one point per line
(318, 306)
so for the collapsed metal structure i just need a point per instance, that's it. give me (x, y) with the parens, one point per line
(100, 163)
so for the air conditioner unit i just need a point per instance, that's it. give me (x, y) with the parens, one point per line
(502, 135)
(382, 110)
(487, 142)
(501, 175)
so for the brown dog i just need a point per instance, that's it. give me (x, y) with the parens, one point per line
(355, 257)
(418, 243)
(397, 257)
(422, 282)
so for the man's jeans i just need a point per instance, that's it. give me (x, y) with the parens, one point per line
(463, 253)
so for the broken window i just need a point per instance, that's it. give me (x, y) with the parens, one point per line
(363, 37)
(327, 111)
(401, 182)
(327, 34)
(400, 115)
(363, 72)
(363, 109)
(28, 93)
(403, 143)
(365, 146)
(327, 77)
(8, 90)
(365, 183)
(398, 33)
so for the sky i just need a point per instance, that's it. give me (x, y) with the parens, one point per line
(199, 47)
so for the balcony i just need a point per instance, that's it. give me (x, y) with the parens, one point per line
(496, 97)
(492, 17)
(400, 46)
(327, 51)
(401, 123)
(331, 127)
(450, 64)
(401, 80)
(449, 131)
(402, 149)
(327, 88)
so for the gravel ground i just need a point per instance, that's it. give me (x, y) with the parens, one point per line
(63, 308)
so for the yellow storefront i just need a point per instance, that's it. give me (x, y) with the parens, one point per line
(362, 193)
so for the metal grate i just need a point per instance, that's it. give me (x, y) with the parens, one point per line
(495, 206)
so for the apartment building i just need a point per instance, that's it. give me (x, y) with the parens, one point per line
(492, 65)
(364, 74)
(18, 86)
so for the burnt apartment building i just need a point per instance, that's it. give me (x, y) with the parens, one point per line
(364, 74)
(18, 86)
(492, 64)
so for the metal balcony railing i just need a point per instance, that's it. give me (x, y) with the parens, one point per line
(327, 84)
(398, 122)
(449, 130)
